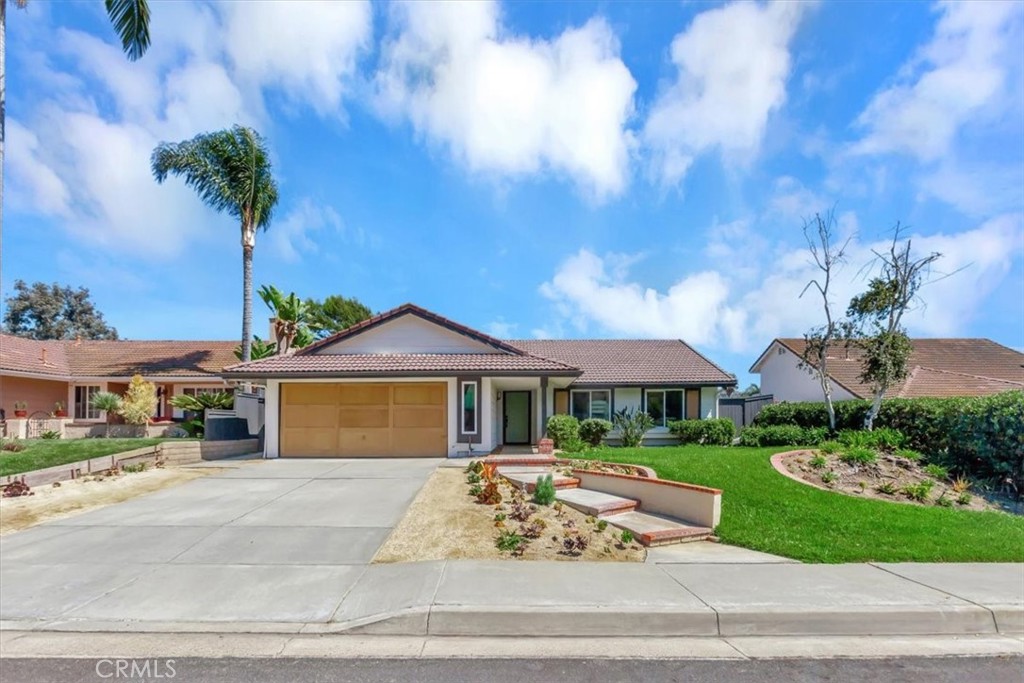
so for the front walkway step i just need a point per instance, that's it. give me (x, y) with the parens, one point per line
(654, 530)
(527, 476)
(520, 459)
(596, 503)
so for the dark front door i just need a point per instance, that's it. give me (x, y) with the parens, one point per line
(517, 417)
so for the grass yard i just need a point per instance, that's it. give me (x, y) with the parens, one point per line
(763, 510)
(40, 453)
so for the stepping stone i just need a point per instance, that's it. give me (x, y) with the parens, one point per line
(596, 503)
(653, 530)
(527, 476)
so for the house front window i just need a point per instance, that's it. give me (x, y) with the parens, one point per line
(200, 391)
(591, 404)
(668, 405)
(84, 409)
(469, 407)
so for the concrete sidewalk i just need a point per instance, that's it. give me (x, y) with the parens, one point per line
(472, 598)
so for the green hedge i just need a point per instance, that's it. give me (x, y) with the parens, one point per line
(563, 429)
(782, 435)
(593, 430)
(978, 436)
(715, 432)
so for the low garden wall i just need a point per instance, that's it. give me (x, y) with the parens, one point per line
(696, 504)
(170, 453)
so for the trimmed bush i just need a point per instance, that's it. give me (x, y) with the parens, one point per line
(563, 429)
(593, 430)
(979, 436)
(775, 435)
(715, 432)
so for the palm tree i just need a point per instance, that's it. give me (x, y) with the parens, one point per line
(131, 21)
(109, 403)
(290, 314)
(230, 170)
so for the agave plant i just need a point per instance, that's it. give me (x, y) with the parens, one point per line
(221, 400)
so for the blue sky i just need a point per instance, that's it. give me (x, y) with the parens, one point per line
(530, 169)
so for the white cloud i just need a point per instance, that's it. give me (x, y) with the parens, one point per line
(733, 63)
(290, 236)
(501, 329)
(951, 81)
(34, 183)
(716, 306)
(309, 49)
(507, 105)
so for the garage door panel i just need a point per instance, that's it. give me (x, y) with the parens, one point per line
(419, 394)
(310, 415)
(364, 394)
(364, 419)
(372, 416)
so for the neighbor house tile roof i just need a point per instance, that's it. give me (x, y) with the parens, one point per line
(634, 362)
(399, 363)
(937, 367)
(122, 358)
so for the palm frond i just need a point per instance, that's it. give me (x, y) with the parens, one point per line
(131, 21)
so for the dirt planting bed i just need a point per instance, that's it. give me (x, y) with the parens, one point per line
(446, 522)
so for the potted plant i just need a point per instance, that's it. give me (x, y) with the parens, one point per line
(58, 410)
(20, 409)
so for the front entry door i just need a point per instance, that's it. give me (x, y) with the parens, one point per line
(517, 417)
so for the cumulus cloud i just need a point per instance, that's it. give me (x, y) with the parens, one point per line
(81, 152)
(291, 236)
(732, 64)
(952, 79)
(509, 105)
(714, 306)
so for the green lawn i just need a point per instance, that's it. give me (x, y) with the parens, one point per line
(763, 510)
(40, 453)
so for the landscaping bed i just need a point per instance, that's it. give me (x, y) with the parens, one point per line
(446, 522)
(891, 478)
(763, 510)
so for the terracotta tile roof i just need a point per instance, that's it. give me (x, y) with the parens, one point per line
(120, 358)
(938, 367)
(630, 361)
(398, 363)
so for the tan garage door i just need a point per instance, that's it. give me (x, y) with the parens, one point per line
(364, 420)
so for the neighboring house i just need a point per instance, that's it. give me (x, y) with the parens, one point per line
(43, 373)
(409, 382)
(937, 367)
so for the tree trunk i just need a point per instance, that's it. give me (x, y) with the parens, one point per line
(246, 302)
(876, 405)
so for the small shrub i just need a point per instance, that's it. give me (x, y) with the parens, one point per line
(474, 467)
(500, 517)
(601, 525)
(562, 428)
(626, 537)
(50, 435)
(475, 490)
(593, 431)
(886, 487)
(575, 543)
(534, 529)
(964, 498)
(133, 469)
(575, 445)
(818, 462)
(859, 456)
(909, 454)
(919, 491)
(829, 477)
(13, 446)
(935, 471)
(633, 425)
(830, 447)
(520, 510)
(717, 432)
(473, 478)
(544, 493)
(960, 484)
(943, 501)
(777, 435)
(509, 542)
(490, 495)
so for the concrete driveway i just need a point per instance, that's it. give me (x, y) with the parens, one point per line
(267, 541)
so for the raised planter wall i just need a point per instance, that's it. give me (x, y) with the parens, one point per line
(698, 505)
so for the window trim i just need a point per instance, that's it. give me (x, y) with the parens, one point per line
(665, 419)
(476, 407)
(88, 402)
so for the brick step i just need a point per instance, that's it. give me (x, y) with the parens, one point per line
(520, 460)
(653, 530)
(595, 503)
(527, 476)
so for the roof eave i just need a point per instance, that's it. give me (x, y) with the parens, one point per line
(399, 373)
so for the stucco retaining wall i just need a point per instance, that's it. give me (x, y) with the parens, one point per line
(695, 504)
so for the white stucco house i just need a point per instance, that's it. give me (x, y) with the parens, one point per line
(409, 382)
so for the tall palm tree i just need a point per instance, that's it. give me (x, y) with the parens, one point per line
(230, 170)
(131, 21)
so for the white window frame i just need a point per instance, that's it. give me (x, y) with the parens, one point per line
(664, 405)
(89, 410)
(590, 402)
(476, 407)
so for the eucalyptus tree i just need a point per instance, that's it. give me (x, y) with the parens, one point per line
(230, 170)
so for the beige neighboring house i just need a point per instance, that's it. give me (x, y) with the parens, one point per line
(409, 382)
(938, 368)
(44, 373)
